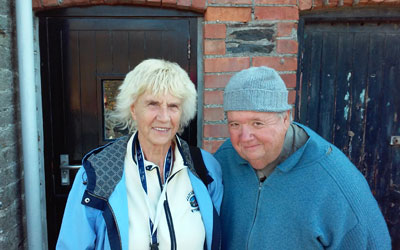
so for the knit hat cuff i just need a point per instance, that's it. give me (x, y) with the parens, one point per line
(260, 100)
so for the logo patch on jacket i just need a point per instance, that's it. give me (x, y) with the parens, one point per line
(191, 198)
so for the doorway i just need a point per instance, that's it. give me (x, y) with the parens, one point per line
(349, 86)
(85, 55)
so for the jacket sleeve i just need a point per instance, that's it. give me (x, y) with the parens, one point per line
(78, 228)
(364, 238)
(215, 188)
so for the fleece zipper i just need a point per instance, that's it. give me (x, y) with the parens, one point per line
(255, 213)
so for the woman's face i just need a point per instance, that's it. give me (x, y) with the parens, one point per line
(157, 118)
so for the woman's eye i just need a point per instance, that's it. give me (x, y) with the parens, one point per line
(152, 103)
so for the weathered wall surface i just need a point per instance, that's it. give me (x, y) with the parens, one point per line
(12, 216)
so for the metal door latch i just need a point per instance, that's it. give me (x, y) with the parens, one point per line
(65, 167)
(395, 140)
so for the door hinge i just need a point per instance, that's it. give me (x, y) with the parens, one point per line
(188, 49)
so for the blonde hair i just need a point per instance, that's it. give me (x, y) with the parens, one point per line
(155, 76)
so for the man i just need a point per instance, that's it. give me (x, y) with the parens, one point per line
(285, 187)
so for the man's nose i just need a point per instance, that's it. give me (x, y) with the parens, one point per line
(247, 133)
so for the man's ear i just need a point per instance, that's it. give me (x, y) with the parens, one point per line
(287, 119)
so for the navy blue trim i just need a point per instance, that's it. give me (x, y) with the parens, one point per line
(216, 237)
(92, 201)
(170, 224)
(91, 176)
(199, 166)
(185, 161)
(112, 230)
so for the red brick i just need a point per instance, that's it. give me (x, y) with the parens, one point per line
(213, 97)
(216, 81)
(214, 30)
(285, 2)
(213, 114)
(227, 64)
(212, 146)
(96, 1)
(305, 4)
(215, 130)
(185, 3)
(278, 63)
(36, 4)
(292, 97)
(230, 2)
(199, 4)
(333, 3)
(289, 79)
(226, 14)
(214, 47)
(347, 2)
(317, 4)
(140, 1)
(74, 2)
(50, 2)
(168, 2)
(286, 29)
(276, 13)
(285, 46)
(154, 2)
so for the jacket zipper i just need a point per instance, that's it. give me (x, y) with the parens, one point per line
(170, 223)
(255, 214)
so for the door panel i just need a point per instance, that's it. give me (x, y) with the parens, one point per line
(350, 88)
(84, 58)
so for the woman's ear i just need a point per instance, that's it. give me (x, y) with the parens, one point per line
(133, 113)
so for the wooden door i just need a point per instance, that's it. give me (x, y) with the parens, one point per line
(86, 53)
(350, 94)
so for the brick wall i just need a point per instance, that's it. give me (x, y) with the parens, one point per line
(237, 35)
(12, 217)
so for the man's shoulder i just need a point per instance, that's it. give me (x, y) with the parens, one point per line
(225, 149)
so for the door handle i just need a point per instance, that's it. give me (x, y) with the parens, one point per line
(395, 141)
(65, 167)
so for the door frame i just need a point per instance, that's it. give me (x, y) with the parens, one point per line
(102, 11)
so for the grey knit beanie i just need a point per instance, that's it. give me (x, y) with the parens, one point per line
(256, 89)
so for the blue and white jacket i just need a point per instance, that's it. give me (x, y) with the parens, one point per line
(96, 214)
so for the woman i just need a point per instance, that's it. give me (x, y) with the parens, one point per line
(142, 191)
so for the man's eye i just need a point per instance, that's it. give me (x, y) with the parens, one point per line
(258, 124)
(233, 125)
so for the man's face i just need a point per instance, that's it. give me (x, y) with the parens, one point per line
(257, 136)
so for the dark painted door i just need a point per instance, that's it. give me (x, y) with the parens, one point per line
(350, 94)
(85, 58)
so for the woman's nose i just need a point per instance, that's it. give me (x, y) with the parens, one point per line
(163, 114)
